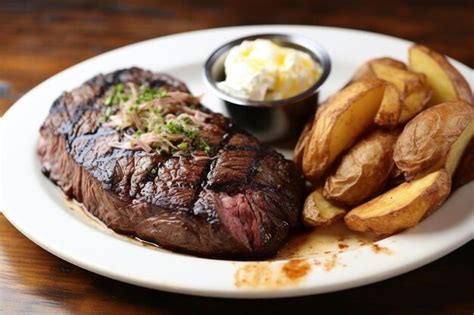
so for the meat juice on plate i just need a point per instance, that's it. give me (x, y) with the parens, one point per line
(336, 238)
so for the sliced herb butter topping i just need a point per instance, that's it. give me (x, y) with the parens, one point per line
(155, 120)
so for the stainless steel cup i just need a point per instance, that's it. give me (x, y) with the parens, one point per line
(270, 121)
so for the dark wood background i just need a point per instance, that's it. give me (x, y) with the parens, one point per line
(41, 38)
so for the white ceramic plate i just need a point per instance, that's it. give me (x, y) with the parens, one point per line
(36, 207)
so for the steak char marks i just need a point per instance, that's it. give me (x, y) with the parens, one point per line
(240, 203)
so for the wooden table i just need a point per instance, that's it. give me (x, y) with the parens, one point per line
(40, 38)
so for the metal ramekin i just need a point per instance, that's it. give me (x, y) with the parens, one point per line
(270, 121)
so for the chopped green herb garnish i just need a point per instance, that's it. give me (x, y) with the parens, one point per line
(147, 94)
(191, 133)
(203, 145)
(182, 146)
(117, 96)
(174, 127)
(108, 100)
(187, 120)
(167, 126)
(119, 87)
(133, 108)
(107, 114)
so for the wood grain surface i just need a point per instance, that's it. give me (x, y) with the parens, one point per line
(41, 38)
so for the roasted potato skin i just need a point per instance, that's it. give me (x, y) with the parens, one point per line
(460, 87)
(355, 105)
(363, 170)
(371, 216)
(424, 144)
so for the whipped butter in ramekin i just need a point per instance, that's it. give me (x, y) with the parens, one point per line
(268, 83)
(260, 70)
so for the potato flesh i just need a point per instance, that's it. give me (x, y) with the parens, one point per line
(397, 77)
(366, 70)
(390, 108)
(351, 123)
(414, 103)
(403, 206)
(398, 197)
(437, 78)
(458, 147)
(318, 211)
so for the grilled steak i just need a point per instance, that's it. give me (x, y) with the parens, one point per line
(241, 202)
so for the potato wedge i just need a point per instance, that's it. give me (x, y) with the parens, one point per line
(390, 109)
(403, 206)
(318, 211)
(346, 115)
(301, 144)
(445, 80)
(434, 139)
(366, 70)
(363, 169)
(465, 170)
(411, 88)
